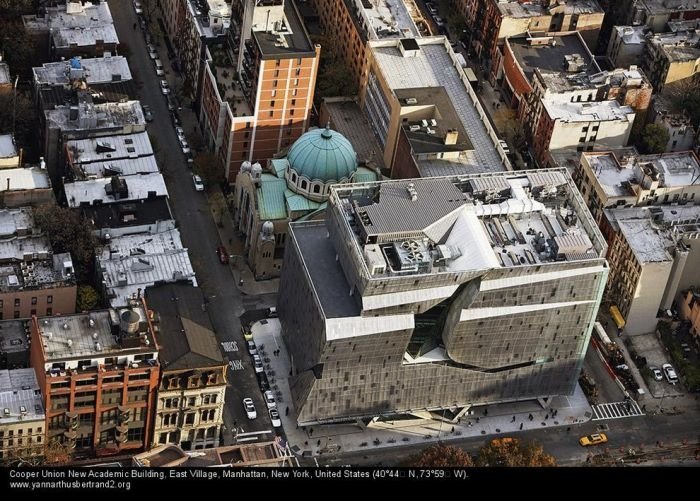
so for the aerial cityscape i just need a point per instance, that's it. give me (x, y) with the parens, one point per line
(348, 233)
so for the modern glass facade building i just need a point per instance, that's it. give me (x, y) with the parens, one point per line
(440, 293)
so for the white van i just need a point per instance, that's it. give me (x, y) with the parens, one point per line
(160, 70)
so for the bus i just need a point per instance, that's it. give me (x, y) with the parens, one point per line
(602, 338)
(617, 317)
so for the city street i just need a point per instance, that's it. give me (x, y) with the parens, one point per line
(198, 229)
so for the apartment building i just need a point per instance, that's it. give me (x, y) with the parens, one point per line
(258, 87)
(22, 419)
(190, 408)
(26, 186)
(608, 180)
(33, 280)
(440, 294)
(673, 58)
(626, 46)
(424, 113)
(14, 344)
(655, 14)
(98, 374)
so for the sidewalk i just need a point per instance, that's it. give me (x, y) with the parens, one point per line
(484, 421)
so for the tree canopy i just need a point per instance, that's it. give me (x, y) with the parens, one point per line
(88, 298)
(208, 167)
(654, 139)
(511, 452)
(25, 124)
(441, 456)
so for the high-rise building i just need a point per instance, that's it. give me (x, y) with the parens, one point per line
(98, 373)
(440, 293)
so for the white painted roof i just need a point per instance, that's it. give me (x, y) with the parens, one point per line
(139, 187)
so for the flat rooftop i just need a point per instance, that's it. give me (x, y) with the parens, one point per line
(186, 337)
(75, 23)
(533, 9)
(89, 336)
(14, 336)
(92, 191)
(24, 178)
(681, 46)
(258, 454)
(616, 176)
(124, 215)
(440, 117)
(551, 56)
(20, 397)
(212, 17)
(386, 19)
(666, 6)
(467, 223)
(96, 116)
(41, 272)
(632, 35)
(348, 119)
(433, 66)
(7, 146)
(93, 70)
(105, 156)
(131, 263)
(293, 41)
(595, 111)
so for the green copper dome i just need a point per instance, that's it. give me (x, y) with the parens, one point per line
(323, 155)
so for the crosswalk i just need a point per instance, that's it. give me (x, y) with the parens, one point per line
(616, 410)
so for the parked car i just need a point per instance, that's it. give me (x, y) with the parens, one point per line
(252, 349)
(184, 145)
(172, 104)
(189, 158)
(262, 381)
(138, 8)
(595, 439)
(656, 372)
(249, 407)
(160, 69)
(180, 132)
(223, 254)
(147, 113)
(270, 399)
(670, 373)
(176, 119)
(257, 363)
(275, 418)
(164, 87)
(152, 52)
(198, 184)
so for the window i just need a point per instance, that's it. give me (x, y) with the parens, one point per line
(272, 113)
(317, 188)
(49, 311)
(298, 71)
(296, 82)
(303, 184)
(17, 302)
(34, 300)
(273, 93)
(294, 102)
(189, 418)
(16, 314)
(294, 92)
(298, 60)
(277, 62)
(274, 83)
(277, 73)
(49, 299)
(272, 103)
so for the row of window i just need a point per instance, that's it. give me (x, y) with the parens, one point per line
(20, 432)
(18, 301)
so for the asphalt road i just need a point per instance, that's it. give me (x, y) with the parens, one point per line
(197, 227)
(608, 390)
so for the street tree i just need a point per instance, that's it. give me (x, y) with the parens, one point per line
(511, 452)
(18, 47)
(12, 9)
(68, 232)
(441, 456)
(685, 98)
(208, 167)
(653, 139)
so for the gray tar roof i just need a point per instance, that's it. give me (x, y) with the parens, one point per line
(294, 42)
(13, 336)
(395, 212)
(186, 337)
(138, 213)
(94, 70)
(20, 397)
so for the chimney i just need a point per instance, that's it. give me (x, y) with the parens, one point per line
(451, 136)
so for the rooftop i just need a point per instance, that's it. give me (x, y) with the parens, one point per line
(5, 78)
(186, 337)
(282, 36)
(14, 336)
(667, 6)
(595, 111)
(213, 17)
(434, 65)
(7, 146)
(24, 178)
(98, 334)
(652, 232)
(95, 116)
(20, 397)
(43, 272)
(534, 9)
(259, 454)
(681, 46)
(92, 70)
(115, 189)
(617, 177)
(460, 224)
(386, 19)
(124, 215)
(632, 34)
(565, 53)
(347, 118)
(106, 156)
(130, 263)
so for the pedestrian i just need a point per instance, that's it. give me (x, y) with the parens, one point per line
(240, 282)
(311, 432)
(453, 429)
(530, 417)
(486, 412)
(513, 420)
(568, 429)
(318, 442)
(134, 25)
(286, 411)
(477, 419)
(521, 426)
(546, 417)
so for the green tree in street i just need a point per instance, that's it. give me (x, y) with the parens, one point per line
(209, 168)
(88, 299)
(653, 139)
(511, 452)
(441, 456)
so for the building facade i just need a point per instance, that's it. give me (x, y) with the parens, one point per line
(98, 374)
(190, 407)
(22, 419)
(294, 187)
(673, 58)
(435, 294)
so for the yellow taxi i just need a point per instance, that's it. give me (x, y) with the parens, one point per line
(595, 439)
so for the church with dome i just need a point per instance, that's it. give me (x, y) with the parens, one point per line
(291, 188)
